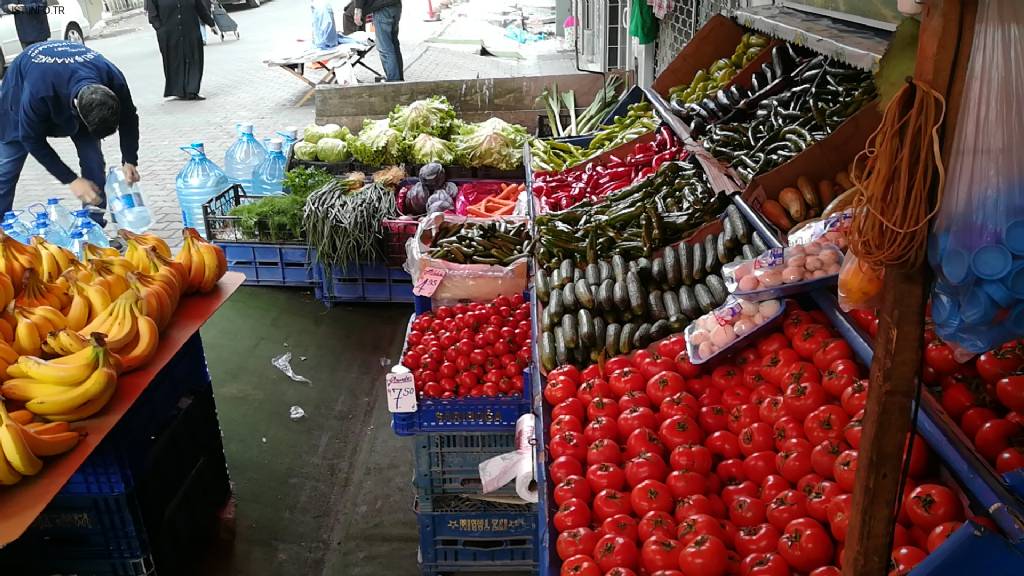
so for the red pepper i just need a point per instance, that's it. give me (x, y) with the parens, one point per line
(661, 158)
(644, 174)
(614, 162)
(664, 138)
(643, 159)
(644, 148)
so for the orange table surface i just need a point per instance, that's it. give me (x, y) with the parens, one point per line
(22, 503)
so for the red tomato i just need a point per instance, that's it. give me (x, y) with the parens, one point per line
(636, 418)
(771, 409)
(602, 476)
(736, 396)
(772, 485)
(621, 525)
(604, 451)
(905, 558)
(745, 511)
(576, 541)
(824, 456)
(746, 356)
(572, 487)
(692, 459)
(685, 367)
(805, 545)
(610, 502)
(656, 523)
(565, 423)
(1009, 460)
(572, 407)
(580, 565)
(853, 430)
(822, 494)
(573, 513)
(794, 320)
(803, 398)
(568, 444)
(713, 418)
(844, 471)
(940, 533)
(929, 505)
(752, 376)
(794, 464)
(600, 406)
(772, 343)
(704, 556)
(757, 539)
(593, 388)
(756, 437)
(601, 427)
(678, 431)
(682, 404)
(730, 471)
(828, 570)
(839, 515)
(671, 347)
(855, 398)
(691, 527)
(726, 376)
(568, 371)
(764, 564)
(650, 496)
(775, 365)
(741, 416)
(809, 339)
(957, 398)
(785, 507)
(563, 467)
(835, 383)
(939, 356)
(625, 380)
(974, 419)
(1001, 362)
(664, 385)
(786, 428)
(644, 440)
(831, 350)
(994, 436)
(759, 466)
(659, 553)
(1010, 391)
(690, 505)
(825, 423)
(645, 466)
(634, 399)
(615, 552)
(723, 443)
(683, 483)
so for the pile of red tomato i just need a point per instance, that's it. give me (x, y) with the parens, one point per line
(475, 350)
(984, 396)
(662, 468)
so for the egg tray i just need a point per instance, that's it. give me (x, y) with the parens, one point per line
(695, 358)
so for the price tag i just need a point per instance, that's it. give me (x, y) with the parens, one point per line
(401, 392)
(429, 280)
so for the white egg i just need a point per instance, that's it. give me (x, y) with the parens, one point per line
(705, 350)
(792, 275)
(771, 278)
(748, 308)
(769, 308)
(742, 326)
(723, 336)
(796, 250)
(748, 283)
(829, 256)
(812, 249)
(698, 337)
(758, 319)
(796, 261)
(813, 263)
(819, 274)
(832, 269)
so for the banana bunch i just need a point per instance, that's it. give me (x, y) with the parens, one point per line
(55, 259)
(15, 258)
(118, 322)
(36, 291)
(111, 273)
(160, 294)
(91, 251)
(64, 389)
(23, 442)
(204, 262)
(63, 342)
(33, 326)
(87, 302)
(6, 290)
(135, 242)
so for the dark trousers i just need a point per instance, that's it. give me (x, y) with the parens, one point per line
(385, 21)
(90, 160)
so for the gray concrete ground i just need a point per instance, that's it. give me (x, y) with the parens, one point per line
(239, 87)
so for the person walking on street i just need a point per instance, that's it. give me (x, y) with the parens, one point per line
(60, 89)
(29, 20)
(177, 24)
(386, 14)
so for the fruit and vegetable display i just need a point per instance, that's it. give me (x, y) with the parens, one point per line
(279, 218)
(805, 201)
(608, 307)
(431, 193)
(498, 205)
(470, 350)
(586, 121)
(498, 242)
(335, 141)
(565, 189)
(553, 155)
(707, 82)
(70, 327)
(727, 325)
(785, 114)
(660, 466)
(633, 221)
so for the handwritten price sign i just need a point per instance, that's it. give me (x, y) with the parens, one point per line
(429, 280)
(401, 392)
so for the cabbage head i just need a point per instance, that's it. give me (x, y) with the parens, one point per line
(332, 150)
(493, 143)
(313, 133)
(335, 131)
(427, 149)
(433, 115)
(304, 151)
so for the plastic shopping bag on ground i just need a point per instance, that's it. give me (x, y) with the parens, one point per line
(977, 245)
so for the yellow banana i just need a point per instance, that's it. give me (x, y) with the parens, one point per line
(6, 289)
(99, 298)
(52, 315)
(15, 448)
(25, 389)
(26, 337)
(69, 400)
(145, 346)
(45, 428)
(8, 475)
(90, 408)
(7, 354)
(72, 341)
(61, 374)
(50, 444)
(78, 313)
(22, 417)
(51, 268)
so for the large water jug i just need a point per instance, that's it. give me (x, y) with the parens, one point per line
(10, 230)
(90, 230)
(269, 175)
(76, 243)
(21, 230)
(59, 215)
(52, 234)
(200, 180)
(127, 203)
(243, 157)
(289, 136)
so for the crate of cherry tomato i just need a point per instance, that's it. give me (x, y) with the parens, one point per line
(469, 362)
(744, 465)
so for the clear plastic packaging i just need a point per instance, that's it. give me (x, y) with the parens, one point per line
(724, 327)
(832, 230)
(860, 285)
(782, 272)
(977, 244)
(462, 282)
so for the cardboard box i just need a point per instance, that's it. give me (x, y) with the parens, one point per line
(715, 40)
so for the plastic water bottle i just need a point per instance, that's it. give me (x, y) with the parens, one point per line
(199, 181)
(127, 203)
(21, 231)
(59, 215)
(92, 233)
(267, 178)
(52, 234)
(76, 242)
(243, 157)
(289, 136)
(11, 231)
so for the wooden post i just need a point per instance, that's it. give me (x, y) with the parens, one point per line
(898, 346)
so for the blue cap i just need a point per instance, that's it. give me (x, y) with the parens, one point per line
(52, 201)
(976, 307)
(956, 266)
(1013, 237)
(1015, 320)
(936, 247)
(997, 291)
(1015, 280)
(945, 310)
(991, 261)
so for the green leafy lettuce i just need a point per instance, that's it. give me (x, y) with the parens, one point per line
(427, 149)
(433, 115)
(493, 143)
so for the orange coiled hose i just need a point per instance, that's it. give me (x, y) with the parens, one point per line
(893, 177)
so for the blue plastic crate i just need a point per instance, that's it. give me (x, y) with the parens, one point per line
(448, 464)
(271, 264)
(462, 535)
(363, 282)
(465, 414)
(973, 549)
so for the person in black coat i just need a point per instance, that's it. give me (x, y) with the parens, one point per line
(29, 20)
(177, 24)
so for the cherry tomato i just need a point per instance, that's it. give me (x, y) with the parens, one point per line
(1001, 362)
(1009, 460)
(805, 545)
(939, 356)
(576, 541)
(929, 505)
(974, 419)
(905, 558)
(1010, 391)
(994, 436)
(940, 533)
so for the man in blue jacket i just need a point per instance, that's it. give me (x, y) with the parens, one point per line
(29, 20)
(62, 89)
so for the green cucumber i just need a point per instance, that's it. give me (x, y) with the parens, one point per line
(671, 258)
(626, 338)
(642, 337)
(656, 305)
(567, 267)
(658, 272)
(621, 295)
(642, 266)
(600, 327)
(569, 331)
(636, 292)
(729, 234)
(569, 298)
(611, 339)
(555, 304)
(688, 302)
(561, 350)
(749, 252)
(585, 325)
(704, 298)
(619, 268)
(685, 253)
(716, 286)
(604, 295)
(759, 243)
(584, 296)
(723, 253)
(660, 329)
(557, 280)
(671, 302)
(697, 264)
(711, 262)
(593, 274)
(606, 270)
(547, 321)
(547, 350)
(542, 284)
(740, 226)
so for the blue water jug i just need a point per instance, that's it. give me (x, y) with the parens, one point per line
(76, 243)
(268, 177)
(199, 181)
(20, 230)
(52, 234)
(127, 203)
(289, 137)
(59, 215)
(92, 233)
(243, 157)
(10, 230)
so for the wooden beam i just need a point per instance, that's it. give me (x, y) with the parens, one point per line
(898, 349)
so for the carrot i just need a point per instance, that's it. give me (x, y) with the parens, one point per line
(505, 210)
(476, 212)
